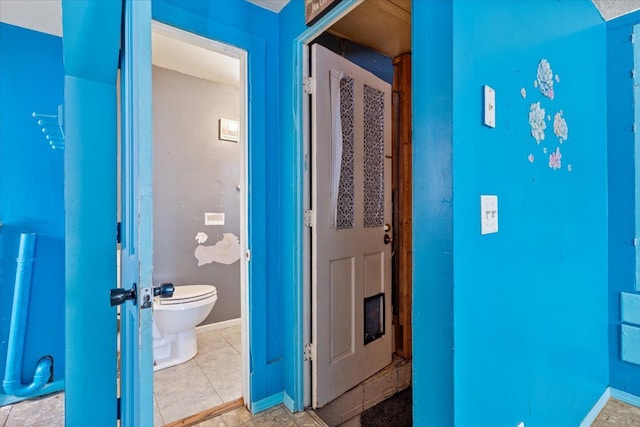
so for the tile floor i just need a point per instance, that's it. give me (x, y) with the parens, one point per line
(278, 416)
(210, 379)
(616, 413)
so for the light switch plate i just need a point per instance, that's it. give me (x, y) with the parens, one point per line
(214, 218)
(489, 214)
(489, 106)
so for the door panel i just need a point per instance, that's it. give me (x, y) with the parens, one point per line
(136, 367)
(351, 199)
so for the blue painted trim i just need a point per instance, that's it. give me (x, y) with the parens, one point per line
(298, 278)
(288, 402)
(597, 408)
(625, 397)
(49, 388)
(630, 308)
(630, 344)
(636, 120)
(624, 20)
(266, 403)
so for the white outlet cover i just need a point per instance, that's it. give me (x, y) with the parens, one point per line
(214, 218)
(488, 214)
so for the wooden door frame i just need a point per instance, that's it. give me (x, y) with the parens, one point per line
(402, 205)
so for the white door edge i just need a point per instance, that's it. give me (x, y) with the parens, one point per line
(303, 56)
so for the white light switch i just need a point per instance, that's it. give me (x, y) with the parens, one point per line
(489, 214)
(489, 106)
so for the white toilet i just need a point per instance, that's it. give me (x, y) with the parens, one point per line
(174, 323)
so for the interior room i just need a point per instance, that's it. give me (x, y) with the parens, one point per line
(198, 141)
(513, 297)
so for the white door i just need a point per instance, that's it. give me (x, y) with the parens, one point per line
(351, 201)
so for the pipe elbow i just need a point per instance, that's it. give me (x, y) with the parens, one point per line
(40, 378)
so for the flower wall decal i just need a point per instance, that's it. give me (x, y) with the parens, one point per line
(560, 127)
(523, 93)
(536, 120)
(555, 159)
(531, 158)
(545, 79)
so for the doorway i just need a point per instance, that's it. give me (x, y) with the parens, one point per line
(200, 214)
(352, 25)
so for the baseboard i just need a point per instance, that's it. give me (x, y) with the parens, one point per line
(219, 325)
(625, 397)
(595, 411)
(266, 403)
(288, 402)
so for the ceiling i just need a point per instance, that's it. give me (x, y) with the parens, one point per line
(390, 18)
(273, 5)
(187, 57)
(610, 9)
(39, 15)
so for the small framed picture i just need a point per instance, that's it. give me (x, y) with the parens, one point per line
(228, 130)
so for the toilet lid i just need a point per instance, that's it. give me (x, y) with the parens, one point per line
(188, 293)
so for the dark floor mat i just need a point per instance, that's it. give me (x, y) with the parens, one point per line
(395, 411)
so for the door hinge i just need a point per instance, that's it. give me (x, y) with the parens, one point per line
(309, 218)
(309, 351)
(308, 85)
(118, 409)
(247, 255)
(119, 232)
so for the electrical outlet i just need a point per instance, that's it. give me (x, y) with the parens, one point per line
(488, 214)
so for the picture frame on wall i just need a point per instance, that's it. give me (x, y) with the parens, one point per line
(228, 130)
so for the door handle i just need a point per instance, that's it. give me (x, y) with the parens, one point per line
(387, 239)
(119, 295)
(165, 290)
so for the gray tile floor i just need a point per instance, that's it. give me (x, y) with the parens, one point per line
(215, 357)
(210, 379)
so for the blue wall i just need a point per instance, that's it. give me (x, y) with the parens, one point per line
(530, 318)
(31, 193)
(372, 61)
(622, 269)
(255, 30)
(433, 256)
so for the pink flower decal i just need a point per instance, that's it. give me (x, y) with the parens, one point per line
(531, 158)
(555, 161)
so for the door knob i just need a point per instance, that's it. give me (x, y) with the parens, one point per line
(165, 290)
(119, 295)
(387, 239)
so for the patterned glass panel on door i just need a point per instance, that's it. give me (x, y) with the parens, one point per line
(373, 157)
(345, 217)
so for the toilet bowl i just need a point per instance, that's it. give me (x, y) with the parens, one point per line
(174, 323)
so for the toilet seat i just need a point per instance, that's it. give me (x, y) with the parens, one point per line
(188, 293)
